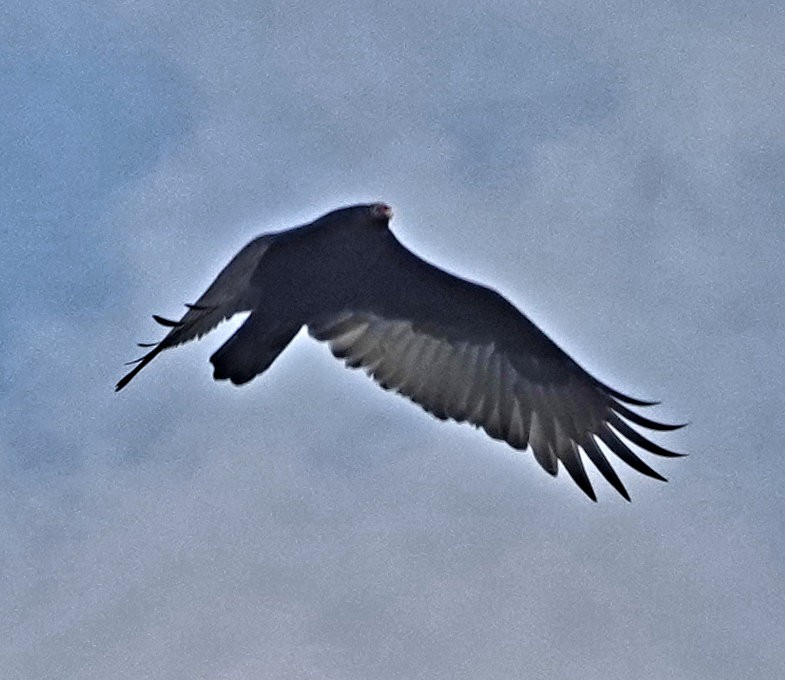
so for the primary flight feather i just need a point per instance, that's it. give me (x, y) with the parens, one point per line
(459, 349)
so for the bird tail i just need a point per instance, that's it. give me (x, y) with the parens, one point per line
(251, 350)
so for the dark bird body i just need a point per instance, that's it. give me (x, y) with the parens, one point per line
(457, 348)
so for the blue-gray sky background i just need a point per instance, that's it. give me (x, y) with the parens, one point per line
(616, 169)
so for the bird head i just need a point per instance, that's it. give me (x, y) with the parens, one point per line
(381, 211)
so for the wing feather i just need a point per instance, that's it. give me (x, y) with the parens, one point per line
(571, 459)
(519, 428)
(437, 376)
(230, 293)
(488, 386)
(464, 398)
(493, 419)
(478, 395)
(454, 383)
(597, 457)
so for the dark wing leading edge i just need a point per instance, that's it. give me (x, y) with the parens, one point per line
(513, 382)
(229, 294)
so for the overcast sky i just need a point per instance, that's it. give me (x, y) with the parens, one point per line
(616, 169)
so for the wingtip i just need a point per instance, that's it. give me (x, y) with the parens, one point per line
(638, 419)
(621, 396)
(168, 323)
(622, 491)
(672, 427)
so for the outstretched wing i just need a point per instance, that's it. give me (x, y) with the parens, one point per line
(230, 293)
(462, 352)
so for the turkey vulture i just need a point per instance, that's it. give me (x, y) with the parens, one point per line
(456, 348)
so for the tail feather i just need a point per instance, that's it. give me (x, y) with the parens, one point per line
(250, 351)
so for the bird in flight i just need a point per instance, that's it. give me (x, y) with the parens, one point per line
(457, 348)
